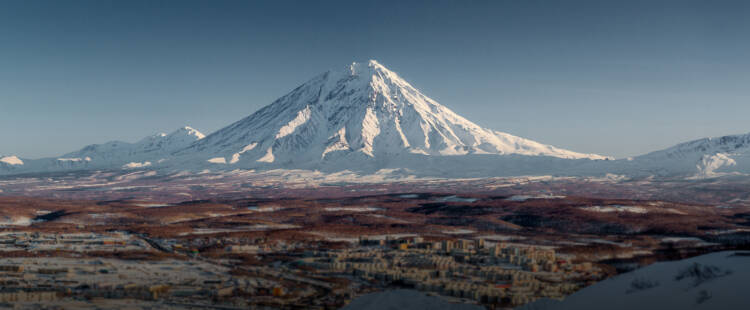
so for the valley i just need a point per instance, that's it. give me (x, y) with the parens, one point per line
(321, 248)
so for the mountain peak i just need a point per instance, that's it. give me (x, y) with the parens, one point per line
(357, 68)
(364, 110)
(367, 74)
(182, 133)
(11, 160)
(711, 145)
(189, 131)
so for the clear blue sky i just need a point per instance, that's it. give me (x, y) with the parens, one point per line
(611, 77)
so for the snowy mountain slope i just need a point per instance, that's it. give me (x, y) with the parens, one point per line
(702, 158)
(361, 115)
(705, 157)
(11, 160)
(10, 163)
(149, 151)
(153, 148)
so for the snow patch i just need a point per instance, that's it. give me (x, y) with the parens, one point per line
(236, 156)
(152, 205)
(352, 209)
(370, 130)
(301, 118)
(615, 208)
(15, 221)
(217, 160)
(134, 165)
(12, 160)
(257, 227)
(268, 158)
(74, 159)
(249, 147)
(337, 142)
(192, 132)
(265, 209)
(454, 198)
(522, 198)
(710, 163)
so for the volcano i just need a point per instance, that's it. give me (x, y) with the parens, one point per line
(362, 114)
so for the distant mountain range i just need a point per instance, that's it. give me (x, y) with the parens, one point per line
(150, 151)
(365, 118)
(702, 158)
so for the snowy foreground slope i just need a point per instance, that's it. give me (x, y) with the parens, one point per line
(713, 281)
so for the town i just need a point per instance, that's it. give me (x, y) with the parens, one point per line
(490, 251)
(121, 268)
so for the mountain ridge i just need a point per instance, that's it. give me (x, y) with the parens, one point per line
(365, 117)
(110, 155)
(702, 158)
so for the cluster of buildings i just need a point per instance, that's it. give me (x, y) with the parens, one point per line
(75, 242)
(473, 269)
(47, 279)
(279, 273)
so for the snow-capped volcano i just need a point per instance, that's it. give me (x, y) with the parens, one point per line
(364, 111)
(363, 117)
